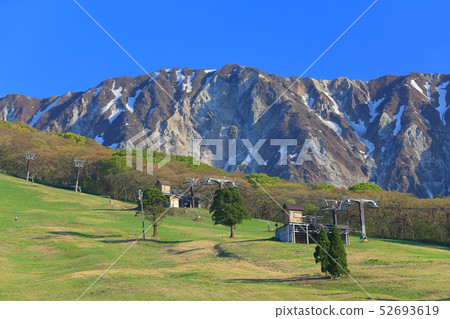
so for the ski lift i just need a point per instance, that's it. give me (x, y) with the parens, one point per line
(373, 204)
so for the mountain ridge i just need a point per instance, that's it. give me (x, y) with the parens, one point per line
(390, 130)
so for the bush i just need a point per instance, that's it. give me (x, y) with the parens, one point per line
(17, 126)
(364, 187)
(310, 208)
(74, 137)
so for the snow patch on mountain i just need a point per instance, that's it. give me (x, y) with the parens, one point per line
(99, 138)
(39, 113)
(430, 194)
(428, 88)
(114, 114)
(443, 107)
(370, 147)
(169, 73)
(373, 105)
(154, 76)
(417, 87)
(131, 100)
(398, 120)
(308, 100)
(334, 126)
(98, 90)
(232, 72)
(117, 95)
(209, 77)
(334, 105)
(189, 83)
(181, 80)
(359, 127)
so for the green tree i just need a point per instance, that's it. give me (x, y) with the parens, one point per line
(321, 252)
(338, 254)
(364, 187)
(153, 200)
(310, 208)
(74, 137)
(228, 208)
(114, 165)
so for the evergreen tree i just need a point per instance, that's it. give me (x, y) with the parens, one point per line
(228, 208)
(337, 251)
(323, 246)
(153, 201)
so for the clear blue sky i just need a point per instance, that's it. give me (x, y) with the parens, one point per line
(49, 47)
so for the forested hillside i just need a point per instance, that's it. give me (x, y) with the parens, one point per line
(401, 216)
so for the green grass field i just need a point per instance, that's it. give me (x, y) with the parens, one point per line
(63, 241)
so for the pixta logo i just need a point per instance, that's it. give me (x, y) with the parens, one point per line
(150, 143)
(310, 149)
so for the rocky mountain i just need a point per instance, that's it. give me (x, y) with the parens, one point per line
(391, 130)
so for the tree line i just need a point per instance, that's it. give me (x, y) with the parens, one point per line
(401, 216)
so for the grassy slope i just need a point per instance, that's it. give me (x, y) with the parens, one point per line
(63, 241)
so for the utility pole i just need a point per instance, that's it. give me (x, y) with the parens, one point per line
(361, 203)
(192, 197)
(362, 220)
(78, 164)
(140, 194)
(29, 157)
(192, 182)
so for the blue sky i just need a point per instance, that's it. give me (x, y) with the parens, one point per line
(51, 47)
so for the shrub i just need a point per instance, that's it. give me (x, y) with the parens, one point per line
(17, 126)
(74, 137)
(364, 187)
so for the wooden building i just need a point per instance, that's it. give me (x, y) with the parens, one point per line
(173, 199)
(295, 213)
(163, 186)
(301, 228)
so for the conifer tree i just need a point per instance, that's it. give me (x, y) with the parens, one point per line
(153, 200)
(320, 254)
(228, 208)
(337, 251)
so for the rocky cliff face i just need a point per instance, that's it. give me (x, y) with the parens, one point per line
(392, 130)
